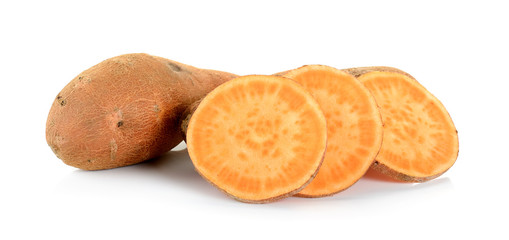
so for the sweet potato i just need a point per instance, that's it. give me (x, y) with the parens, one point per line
(257, 138)
(354, 127)
(420, 141)
(125, 110)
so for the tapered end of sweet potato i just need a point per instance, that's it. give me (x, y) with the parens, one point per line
(258, 138)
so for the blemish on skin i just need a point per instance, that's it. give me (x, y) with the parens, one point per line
(156, 108)
(61, 101)
(174, 67)
(82, 81)
(116, 119)
(113, 149)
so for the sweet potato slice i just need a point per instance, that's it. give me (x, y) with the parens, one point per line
(354, 127)
(420, 140)
(257, 138)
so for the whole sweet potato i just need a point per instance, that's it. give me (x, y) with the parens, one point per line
(125, 110)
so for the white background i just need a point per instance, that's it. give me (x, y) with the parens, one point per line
(457, 49)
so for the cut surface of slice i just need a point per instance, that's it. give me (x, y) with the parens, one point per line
(354, 127)
(258, 138)
(420, 140)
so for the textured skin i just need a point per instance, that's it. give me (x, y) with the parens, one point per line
(125, 110)
(357, 72)
(377, 165)
(385, 170)
(186, 117)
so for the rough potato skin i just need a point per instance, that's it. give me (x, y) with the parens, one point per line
(186, 117)
(387, 171)
(125, 110)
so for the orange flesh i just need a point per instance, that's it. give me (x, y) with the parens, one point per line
(420, 139)
(257, 138)
(354, 127)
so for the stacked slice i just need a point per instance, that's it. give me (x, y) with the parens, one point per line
(261, 138)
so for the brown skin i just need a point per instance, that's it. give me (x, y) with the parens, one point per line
(186, 116)
(387, 171)
(377, 165)
(125, 110)
(363, 70)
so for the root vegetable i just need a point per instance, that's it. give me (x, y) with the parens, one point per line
(420, 141)
(354, 127)
(125, 110)
(257, 138)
